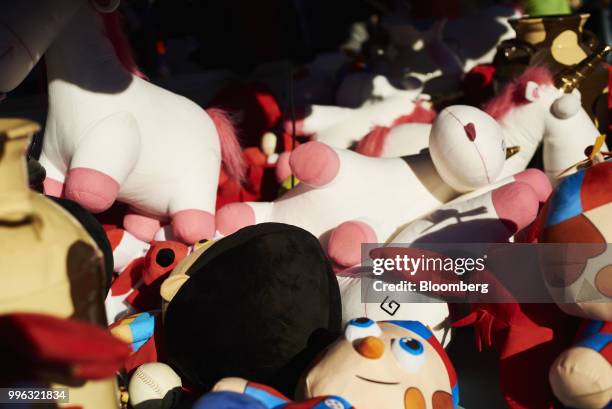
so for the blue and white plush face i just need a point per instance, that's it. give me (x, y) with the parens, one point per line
(384, 365)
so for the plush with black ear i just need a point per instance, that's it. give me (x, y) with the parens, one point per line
(252, 305)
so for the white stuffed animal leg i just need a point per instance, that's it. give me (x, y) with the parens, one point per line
(492, 217)
(337, 186)
(102, 160)
(192, 210)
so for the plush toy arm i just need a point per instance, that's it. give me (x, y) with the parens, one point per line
(269, 397)
(102, 161)
(581, 377)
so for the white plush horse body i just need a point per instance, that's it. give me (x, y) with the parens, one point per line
(346, 199)
(112, 135)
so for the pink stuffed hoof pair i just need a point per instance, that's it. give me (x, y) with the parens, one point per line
(513, 205)
(97, 192)
(314, 164)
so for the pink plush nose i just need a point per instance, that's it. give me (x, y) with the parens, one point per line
(93, 190)
(233, 217)
(315, 164)
(344, 246)
(192, 225)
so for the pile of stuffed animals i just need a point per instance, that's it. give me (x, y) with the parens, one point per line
(159, 255)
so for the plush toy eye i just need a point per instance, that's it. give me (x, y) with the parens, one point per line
(165, 257)
(409, 352)
(361, 328)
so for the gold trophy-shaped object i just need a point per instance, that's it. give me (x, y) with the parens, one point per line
(569, 79)
(48, 262)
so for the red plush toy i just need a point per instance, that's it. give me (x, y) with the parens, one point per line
(136, 288)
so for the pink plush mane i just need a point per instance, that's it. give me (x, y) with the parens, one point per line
(114, 32)
(513, 94)
(374, 143)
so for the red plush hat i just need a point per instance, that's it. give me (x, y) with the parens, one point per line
(55, 349)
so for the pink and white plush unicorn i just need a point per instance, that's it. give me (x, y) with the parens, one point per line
(346, 199)
(530, 111)
(111, 135)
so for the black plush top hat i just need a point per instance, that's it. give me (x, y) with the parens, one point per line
(252, 306)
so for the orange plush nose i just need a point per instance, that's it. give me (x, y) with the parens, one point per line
(371, 347)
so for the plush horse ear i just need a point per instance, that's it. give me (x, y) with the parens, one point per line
(532, 91)
(106, 6)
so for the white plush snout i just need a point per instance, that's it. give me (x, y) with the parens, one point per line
(567, 105)
(467, 147)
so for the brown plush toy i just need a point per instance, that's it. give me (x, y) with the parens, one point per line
(50, 264)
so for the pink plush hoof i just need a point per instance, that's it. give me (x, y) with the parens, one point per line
(537, 180)
(53, 187)
(141, 227)
(93, 190)
(233, 217)
(283, 170)
(315, 163)
(516, 205)
(344, 246)
(299, 125)
(192, 225)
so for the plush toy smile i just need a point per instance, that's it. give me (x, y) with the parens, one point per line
(379, 382)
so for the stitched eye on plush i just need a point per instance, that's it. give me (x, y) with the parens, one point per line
(361, 328)
(409, 352)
